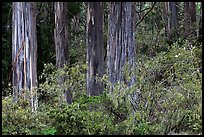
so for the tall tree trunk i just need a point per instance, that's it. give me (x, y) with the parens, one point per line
(187, 19)
(193, 17)
(76, 29)
(24, 52)
(200, 25)
(61, 43)
(121, 44)
(95, 48)
(165, 17)
(172, 21)
(121, 41)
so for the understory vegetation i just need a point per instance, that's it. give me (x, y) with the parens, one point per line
(166, 98)
(168, 91)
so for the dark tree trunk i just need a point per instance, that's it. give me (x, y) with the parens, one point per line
(172, 21)
(24, 52)
(193, 17)
(165, 17)
(187, 19)
(61, 43)
(200, 25)
(95, 48)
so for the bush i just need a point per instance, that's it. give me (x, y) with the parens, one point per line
(169, 99)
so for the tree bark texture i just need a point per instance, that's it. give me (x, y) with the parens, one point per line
(61, 43)
(200, 25)
(192, 11)
(165, 17)
(76, 28)
(95, 48)
(121, 42)
(187, 19)
(24, 52)
(172, 20)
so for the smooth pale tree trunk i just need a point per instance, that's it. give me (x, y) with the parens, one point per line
(61, 44)
(121, 45)
(24, 52)
(95, 48)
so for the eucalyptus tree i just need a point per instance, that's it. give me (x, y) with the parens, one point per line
(121, 46)
(24, 52)
(62, 45)
(95, 47)
(189, 19)
(172, 21)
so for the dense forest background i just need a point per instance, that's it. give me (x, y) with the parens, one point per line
(116, 68)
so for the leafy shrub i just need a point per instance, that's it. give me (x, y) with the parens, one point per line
(170, 85)
(75, 82)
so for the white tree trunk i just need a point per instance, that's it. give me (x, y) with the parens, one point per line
(24, 52)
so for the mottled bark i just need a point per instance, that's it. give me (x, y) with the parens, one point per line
(61, 44)
(95, 48)
(24, 52)
(121, 47)
(121, 42)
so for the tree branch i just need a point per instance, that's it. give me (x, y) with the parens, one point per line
(76, 18)
(146, 14)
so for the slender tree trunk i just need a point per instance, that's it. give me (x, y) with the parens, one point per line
(172, 21)
(95, 48)
(165, 17)
(193, 17)
(61, 43)
(76, 29)
(200, 25)
(24, 52)
(187, 19)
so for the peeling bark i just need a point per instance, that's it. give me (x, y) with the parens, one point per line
(121, 42)
(24, 52)
(61, 44)
(95, 48)
(121, 46)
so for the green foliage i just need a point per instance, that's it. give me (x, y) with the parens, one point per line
(168, 85)
(75, 82)
(171, 88)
